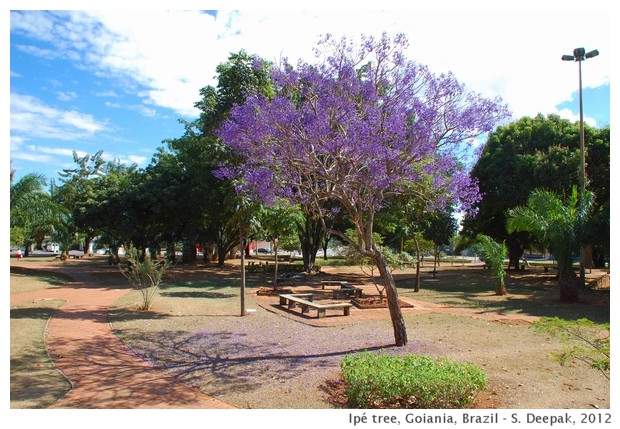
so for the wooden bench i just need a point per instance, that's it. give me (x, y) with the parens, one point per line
(346, 288)
(297, 300)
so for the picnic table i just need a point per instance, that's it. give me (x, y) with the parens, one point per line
(345, 288)
(304, 301)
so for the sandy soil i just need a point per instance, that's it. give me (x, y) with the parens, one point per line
(269, 359)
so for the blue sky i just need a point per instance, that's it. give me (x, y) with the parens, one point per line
(119, 81)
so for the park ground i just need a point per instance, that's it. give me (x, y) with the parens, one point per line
(274, 358)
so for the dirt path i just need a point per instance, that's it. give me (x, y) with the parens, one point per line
(103, 372)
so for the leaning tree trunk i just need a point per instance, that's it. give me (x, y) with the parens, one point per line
(396, 314)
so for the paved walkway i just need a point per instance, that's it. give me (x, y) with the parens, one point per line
(103, 372)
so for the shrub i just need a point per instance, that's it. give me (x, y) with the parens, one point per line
(411, 381)
(583, 340)
(144, 274)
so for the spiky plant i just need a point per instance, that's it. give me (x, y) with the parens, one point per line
(558, 224)
(493, 254)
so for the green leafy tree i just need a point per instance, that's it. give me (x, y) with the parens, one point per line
(121, 203)
(598, 174)
(77, 191)
(439, 227)
(214, 202)
(168, 180)
(558, 225)
(493, 254)
(277, 223)
(530, 153)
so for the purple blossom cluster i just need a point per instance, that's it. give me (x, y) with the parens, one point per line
(360, 125)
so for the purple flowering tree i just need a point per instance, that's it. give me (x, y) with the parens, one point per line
(362, 125)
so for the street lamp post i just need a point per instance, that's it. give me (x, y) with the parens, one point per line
(579, 55)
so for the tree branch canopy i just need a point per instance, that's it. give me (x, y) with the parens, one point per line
(335, 131)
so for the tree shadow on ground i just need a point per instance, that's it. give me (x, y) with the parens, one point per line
(128, 314)
(192, 294)
(41, 313)
(35, 381)
(530, 292)
(225, 362)
(50, 277)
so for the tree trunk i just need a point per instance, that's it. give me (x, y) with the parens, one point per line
(398, 322)
(189, 251)
(242, 243)
(569, 286)
(171, 253)
(501, 288)
(435, 262)
(310, 233)
(88, 248)
(325, 245)
(275, 273)
(221, 256)
(514, 257)
(417, 265)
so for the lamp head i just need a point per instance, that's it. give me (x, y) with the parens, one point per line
(579, 53)
(592, 54)
(568, 58)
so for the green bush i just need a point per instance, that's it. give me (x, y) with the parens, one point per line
(583, 340)
(411, 381)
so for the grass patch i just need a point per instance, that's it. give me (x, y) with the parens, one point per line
(531, 292)
(29, 280)
(35, 381)
(411, 381)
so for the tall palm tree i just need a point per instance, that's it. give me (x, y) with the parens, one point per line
(559, 226)
(31, 208)
(24, 195)
(493, 254)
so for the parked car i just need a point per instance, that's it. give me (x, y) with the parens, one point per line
(262, 250)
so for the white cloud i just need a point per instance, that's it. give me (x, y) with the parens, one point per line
(107, 93)
(573, 117)
(66, 96)
(55, 151)
(140, 108)
(32, 157)
(39, 52)
(30, 118)
(496, 51)
(137, 159)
